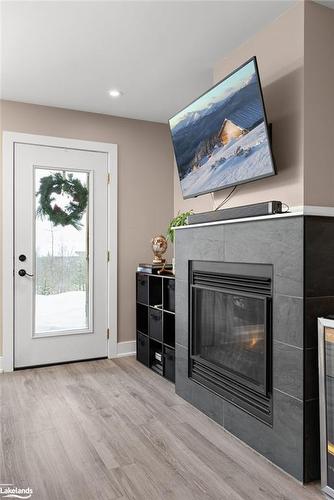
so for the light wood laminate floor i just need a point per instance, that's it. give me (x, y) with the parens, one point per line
(109, 430)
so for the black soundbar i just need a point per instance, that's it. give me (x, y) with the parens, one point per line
(255, 210)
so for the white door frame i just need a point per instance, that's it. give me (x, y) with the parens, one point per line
(8, 143)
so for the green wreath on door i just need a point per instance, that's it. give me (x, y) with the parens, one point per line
(72, 213)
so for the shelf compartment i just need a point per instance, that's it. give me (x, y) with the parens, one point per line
(169, 294)
(155, 291)
(142, 349)
(156, 357)
(169, 328)
(155, 324)
(142, 288)
(142, 318)
(169, 364)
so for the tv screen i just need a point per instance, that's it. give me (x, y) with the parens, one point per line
(221, 139)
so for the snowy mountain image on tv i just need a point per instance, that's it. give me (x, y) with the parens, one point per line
(220, 139)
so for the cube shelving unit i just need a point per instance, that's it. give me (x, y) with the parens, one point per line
(155, 309)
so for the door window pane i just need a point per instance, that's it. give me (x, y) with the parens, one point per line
(62, 298)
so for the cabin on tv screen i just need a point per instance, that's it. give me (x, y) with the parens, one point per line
(229, 131)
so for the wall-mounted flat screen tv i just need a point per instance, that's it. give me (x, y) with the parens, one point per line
(221, 139)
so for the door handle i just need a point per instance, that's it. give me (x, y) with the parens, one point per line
(23, 272)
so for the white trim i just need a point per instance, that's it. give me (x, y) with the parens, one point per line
(112, 247)
(1, 364)
(9, 140)
(326, 322)
(7, 251)
(322, 324)
(316, 210)
(293, 212)
(127, 348)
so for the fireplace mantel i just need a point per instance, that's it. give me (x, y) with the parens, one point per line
(292, 212)
(300, 250)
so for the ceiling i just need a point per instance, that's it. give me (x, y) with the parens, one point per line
(160, 54)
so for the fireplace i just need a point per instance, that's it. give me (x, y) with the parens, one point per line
(270, 399)
(230, 333)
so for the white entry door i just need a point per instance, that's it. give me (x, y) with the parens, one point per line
(60, 257)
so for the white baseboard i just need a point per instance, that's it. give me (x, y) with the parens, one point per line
(1, 364)
(125, 349)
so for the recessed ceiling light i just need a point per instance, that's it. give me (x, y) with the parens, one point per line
(115, 93)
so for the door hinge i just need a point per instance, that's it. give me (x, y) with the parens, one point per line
(108, 256)
(108, 333)
(109, 178)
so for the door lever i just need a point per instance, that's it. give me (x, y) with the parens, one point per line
(23, 272)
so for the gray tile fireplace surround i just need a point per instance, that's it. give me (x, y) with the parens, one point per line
(301, 250)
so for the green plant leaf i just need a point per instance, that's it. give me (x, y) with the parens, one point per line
(179, 220)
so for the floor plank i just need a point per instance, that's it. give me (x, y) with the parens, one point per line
(112, 429)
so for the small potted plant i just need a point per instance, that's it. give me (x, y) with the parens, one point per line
(180, 220)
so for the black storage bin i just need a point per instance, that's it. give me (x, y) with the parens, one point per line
(155, 287)
(155, 324)
(169, 329)
(170, 364)
(142, 349)
(142, 318)
(142, 288)
(169, 294)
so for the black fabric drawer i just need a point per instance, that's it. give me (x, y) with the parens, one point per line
(169, 364)
(142, 349)
(142, 288)
(169, 294)
(155, 324)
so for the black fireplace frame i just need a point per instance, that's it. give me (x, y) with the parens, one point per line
(237, 389)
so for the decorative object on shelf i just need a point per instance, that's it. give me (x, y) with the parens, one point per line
(167, 269)
(180, 220)
(77, 194)
(154, 268)
(159, 247)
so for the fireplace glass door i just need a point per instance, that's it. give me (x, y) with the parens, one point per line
(229, 332)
